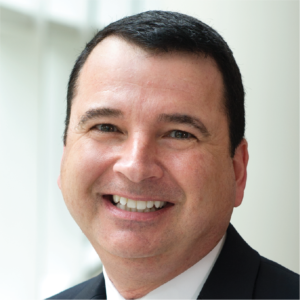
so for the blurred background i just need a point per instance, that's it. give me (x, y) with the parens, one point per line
(42, 249)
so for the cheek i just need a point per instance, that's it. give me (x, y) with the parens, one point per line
(83, 164)
(91, 159)
(206, 178)
(208, 185)
(192, 171)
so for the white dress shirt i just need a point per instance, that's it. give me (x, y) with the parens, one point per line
(186, 285)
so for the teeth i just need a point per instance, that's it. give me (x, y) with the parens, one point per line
(122, 206)
(137, 206)
(157, 204)
(116, 198)
(141, 205)
(123, 201)
(149, 204)
(131, 203)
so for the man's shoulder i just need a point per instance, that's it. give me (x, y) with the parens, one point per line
(93, 288)
(240, 272)
(275, 281)
(71, 292)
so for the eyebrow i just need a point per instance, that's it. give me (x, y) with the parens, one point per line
(99, 112)
(170, 118)
(185, 119)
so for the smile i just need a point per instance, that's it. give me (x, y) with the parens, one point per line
(137, 206)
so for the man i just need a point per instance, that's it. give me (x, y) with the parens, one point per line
(155, 161)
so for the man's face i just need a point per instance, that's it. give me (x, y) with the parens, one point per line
(149, 128)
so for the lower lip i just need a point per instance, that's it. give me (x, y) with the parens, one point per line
(134, 216)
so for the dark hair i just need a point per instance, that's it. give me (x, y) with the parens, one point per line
(163, 31)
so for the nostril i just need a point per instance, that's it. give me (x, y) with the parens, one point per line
(137, 175)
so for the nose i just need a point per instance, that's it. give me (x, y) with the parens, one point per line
(138, 160)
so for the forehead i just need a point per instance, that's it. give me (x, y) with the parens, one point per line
(116, 65)
(114, 58)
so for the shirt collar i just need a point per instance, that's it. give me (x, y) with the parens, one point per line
(186, 285)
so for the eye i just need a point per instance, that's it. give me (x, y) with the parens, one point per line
(106, 128)
(181, 135)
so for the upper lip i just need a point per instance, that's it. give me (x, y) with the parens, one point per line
(137, 197)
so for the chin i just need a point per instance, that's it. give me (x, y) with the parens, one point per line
(129, 247)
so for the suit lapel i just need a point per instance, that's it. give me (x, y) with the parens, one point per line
(234, 273)
(94, 290)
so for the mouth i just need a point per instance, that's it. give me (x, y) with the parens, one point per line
(131, 205)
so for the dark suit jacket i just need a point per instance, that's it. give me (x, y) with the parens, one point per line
(239, 273)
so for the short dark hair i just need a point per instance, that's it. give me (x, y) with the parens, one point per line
(164, 31)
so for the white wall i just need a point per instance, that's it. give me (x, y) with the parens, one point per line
(18, 164)
(264, 36)
(42, 249)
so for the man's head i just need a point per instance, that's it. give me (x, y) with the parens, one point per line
(163, 32)
(150, 126)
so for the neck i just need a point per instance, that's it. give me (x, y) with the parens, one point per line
(136, 277)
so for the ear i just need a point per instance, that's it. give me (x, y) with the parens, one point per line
(240, 162)
(58, 179)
